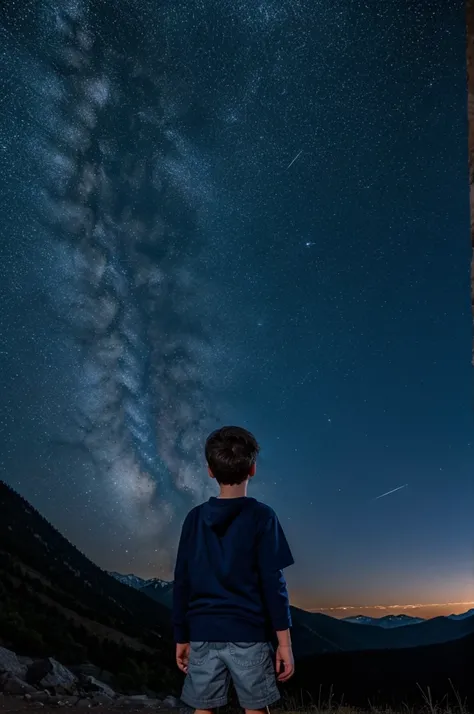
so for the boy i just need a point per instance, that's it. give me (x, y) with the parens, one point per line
(230, 596)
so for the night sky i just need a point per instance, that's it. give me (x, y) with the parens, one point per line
(230, 211)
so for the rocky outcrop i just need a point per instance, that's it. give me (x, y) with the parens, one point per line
(10, 663)
(91, 684)
(49, 674)
(91, 670)
(46, 682)
(470, 108)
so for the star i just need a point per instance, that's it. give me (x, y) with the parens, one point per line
(221, 228)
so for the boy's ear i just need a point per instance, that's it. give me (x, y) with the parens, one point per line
(252, 471)
(210, 472)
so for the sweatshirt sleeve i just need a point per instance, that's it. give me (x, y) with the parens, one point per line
(181, 588)
(274, 555)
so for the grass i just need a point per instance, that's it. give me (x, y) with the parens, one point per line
(452, 703)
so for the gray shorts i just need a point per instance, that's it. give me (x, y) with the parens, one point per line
(212, 665)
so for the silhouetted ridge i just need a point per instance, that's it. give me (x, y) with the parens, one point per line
(315, 633)
(55, 602)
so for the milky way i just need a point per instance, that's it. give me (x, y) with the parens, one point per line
(119, 194)
(120, 209)
(122, 197)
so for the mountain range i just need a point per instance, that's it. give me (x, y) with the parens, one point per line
(399, 620)
(386, 621)
(316, 633)
(159, 590)
(55, 602)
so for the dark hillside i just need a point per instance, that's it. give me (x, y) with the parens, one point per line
(56, 602)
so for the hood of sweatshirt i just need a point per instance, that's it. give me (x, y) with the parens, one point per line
(219, 513)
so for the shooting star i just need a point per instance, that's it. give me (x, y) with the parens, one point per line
(296, 157)
(399, 488)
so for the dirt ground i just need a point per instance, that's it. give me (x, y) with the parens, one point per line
(11, 705)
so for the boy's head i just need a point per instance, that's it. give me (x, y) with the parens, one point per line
(231, 454)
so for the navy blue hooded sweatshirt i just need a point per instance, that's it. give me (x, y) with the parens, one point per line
(228, 583)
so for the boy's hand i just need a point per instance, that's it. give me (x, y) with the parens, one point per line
(285, 664)
(182, 656)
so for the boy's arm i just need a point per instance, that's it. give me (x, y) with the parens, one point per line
(181, 589)
(285, 664)
(273, 556)
(276, 598)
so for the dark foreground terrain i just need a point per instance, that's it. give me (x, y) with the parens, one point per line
(54, 602)
(11, 705)
(390, 677)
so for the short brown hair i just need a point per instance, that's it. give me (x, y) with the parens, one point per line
(230, 453)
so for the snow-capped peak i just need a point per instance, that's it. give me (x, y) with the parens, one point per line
(131, 580)
(387, 621)
(134, 581)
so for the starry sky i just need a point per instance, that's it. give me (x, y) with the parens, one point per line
(229, 211)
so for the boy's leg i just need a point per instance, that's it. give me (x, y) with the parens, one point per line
(252, 670)
(207, 681)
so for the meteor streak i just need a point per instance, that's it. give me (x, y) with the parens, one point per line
(394, 490)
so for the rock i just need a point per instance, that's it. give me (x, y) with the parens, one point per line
(91, 684)
(138, 697)
(91, 670)
(10, 663)
(150, 693)
(86, 668)
(67, 701)
(47, 673)
(101, 698)
(60, 700)
(172, 702)
(83, 703)
(40, 697)
(25, 660)
(10, 684)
